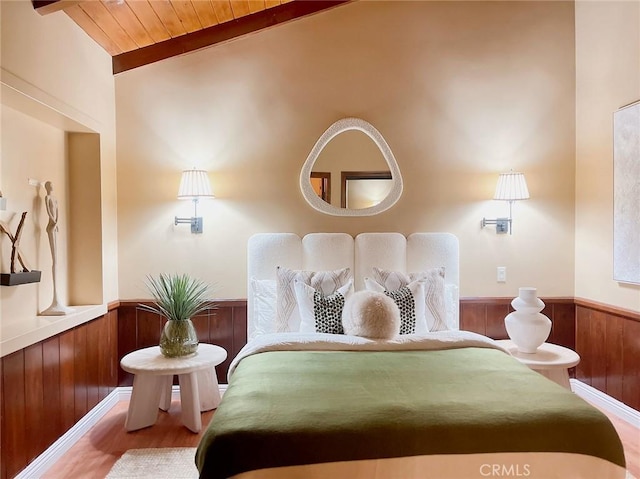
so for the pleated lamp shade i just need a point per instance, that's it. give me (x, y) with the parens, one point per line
(511, 186)
(194, 184)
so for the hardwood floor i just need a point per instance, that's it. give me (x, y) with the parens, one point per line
(97, 451)
(630, 437)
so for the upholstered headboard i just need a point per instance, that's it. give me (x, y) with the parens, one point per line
(330, 251)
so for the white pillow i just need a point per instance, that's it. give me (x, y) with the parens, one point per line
(452, 305)
(264, 306)
(372, 315)
(435, 308)
(320, 313)
(410, 301)
(287, 312)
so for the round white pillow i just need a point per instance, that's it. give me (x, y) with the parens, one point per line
(372, 315)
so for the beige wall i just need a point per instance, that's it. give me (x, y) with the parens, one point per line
(607, 77)
(460, 90)
(54, 79)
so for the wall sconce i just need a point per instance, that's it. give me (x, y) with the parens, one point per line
(193, 186)
(511, 187)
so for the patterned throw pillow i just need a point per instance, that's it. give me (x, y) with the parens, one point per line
(321, 313)
(434, 292)
(287, 311)
(410, 301)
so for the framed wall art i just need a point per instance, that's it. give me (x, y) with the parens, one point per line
(626, 194)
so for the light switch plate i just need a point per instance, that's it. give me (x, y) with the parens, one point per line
(502, 274)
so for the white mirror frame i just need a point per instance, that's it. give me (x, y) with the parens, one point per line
(334, 130)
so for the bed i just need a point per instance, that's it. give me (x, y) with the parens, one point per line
(440, 403)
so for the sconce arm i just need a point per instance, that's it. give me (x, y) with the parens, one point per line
(503, 225)
(195, 221)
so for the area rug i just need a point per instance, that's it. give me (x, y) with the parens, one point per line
(158, 463)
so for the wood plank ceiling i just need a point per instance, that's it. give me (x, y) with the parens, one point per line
(138, 32)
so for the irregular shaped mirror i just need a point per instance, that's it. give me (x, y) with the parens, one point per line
(368, 177)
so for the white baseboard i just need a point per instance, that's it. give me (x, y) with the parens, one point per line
(41, 464)
(606, 402)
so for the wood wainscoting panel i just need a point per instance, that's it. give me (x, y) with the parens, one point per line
(48, 386)
(52, 385)
(608, 341)
(14, 438)
(237, 317)
(127, 328)
(494, 325)
(473, 316)
(598, 328)
(67, 378)
(34, 400)
(224, 325)
(631, 364)
(614, 335)
(80, 373)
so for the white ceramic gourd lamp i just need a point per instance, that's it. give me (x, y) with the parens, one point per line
(527, 327)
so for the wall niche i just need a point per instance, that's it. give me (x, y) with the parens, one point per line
(39, 144)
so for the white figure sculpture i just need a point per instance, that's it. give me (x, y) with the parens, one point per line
(51, 204)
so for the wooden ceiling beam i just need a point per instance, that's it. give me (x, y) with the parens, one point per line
(220, 33)
(45, 7)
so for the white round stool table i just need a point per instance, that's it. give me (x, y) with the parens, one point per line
(154, 378)
(550, 360)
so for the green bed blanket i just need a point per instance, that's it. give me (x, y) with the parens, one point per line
(303, 407)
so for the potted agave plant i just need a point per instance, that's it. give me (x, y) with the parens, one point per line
(178, 297)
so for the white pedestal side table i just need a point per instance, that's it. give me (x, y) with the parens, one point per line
(154, 378)
(550, 360)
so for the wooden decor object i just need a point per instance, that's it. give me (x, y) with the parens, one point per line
(17, 277)
(24, 277)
